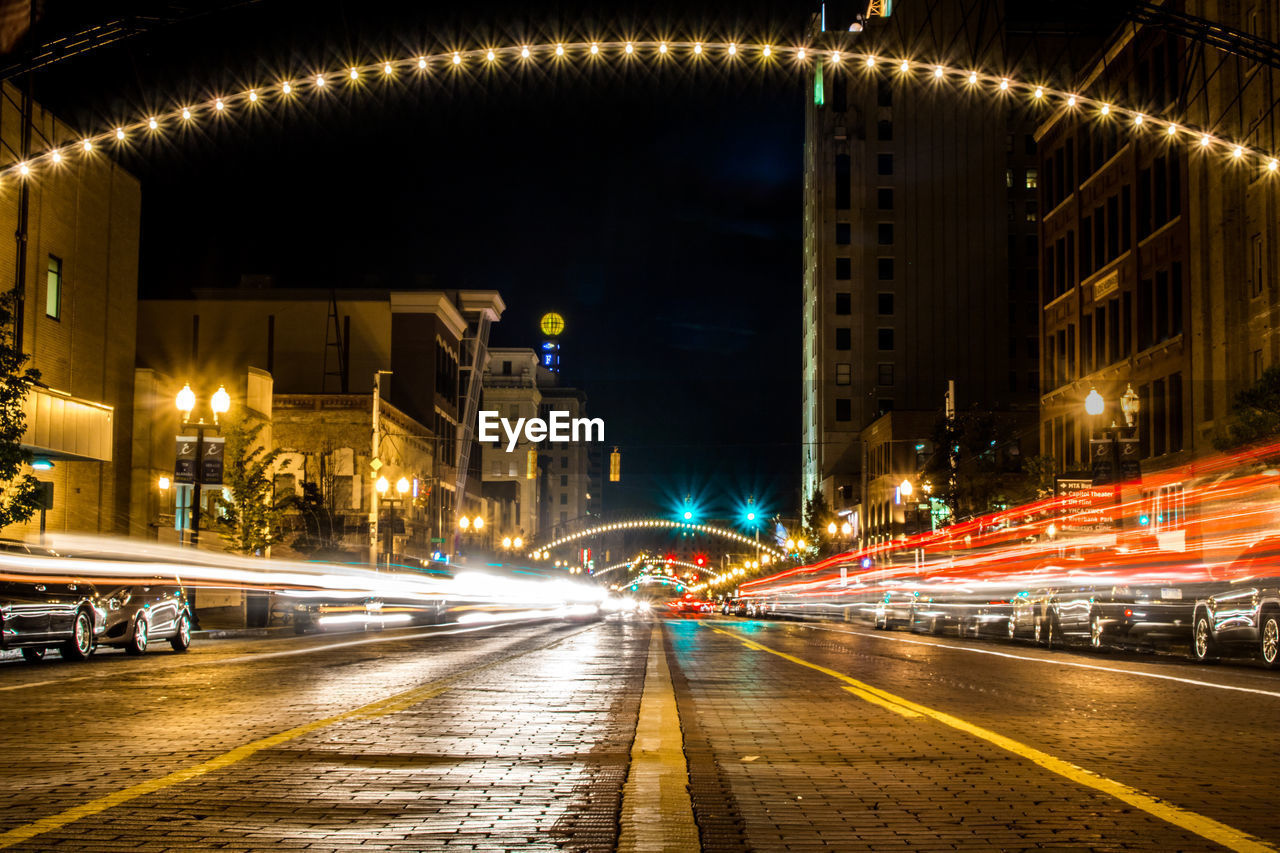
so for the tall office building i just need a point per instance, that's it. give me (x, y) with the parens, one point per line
(919, 248)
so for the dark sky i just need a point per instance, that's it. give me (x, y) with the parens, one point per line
(658, 211)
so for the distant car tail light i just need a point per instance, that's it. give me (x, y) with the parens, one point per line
(1128, 612)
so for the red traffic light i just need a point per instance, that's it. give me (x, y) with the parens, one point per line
(701, 560)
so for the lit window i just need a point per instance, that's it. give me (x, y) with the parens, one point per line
(844, 373)
(53, 289)
(1032, 179)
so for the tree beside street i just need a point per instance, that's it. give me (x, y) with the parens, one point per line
(250, 520)
(19, 494)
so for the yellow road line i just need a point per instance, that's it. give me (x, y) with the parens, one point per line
(883, 703)
(381, 708)
(657, 812)
(1205, 827)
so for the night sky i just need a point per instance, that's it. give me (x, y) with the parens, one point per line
(659, 212)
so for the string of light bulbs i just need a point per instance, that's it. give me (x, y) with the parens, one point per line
(800, 56)
(657, 523)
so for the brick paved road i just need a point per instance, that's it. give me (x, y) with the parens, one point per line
(521, 737)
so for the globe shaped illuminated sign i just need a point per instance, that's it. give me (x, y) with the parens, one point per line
(551, 324)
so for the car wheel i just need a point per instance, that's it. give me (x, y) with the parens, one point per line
(80, 646)
(138, 637)
(181, 641)
(1203, 648)
(33, 654)
(1269, 643)
(1095, 631)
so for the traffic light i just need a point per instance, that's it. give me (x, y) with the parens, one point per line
(700, 560)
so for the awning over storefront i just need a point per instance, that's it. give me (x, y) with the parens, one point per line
(60, 426)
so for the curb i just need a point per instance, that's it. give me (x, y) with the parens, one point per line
(237, 633)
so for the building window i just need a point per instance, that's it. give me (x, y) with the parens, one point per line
(884, 198)
(1008, 178)
(564, 461)
(884, 130)
(1257, 365)
(844, 339)
(884, 233)
(884, 304)
(53, 289)
(884, 164)
(844, 303)
(884, 375)
(842, 234)
(844, 177)
(884, 340)
(506, 368)
(844, 373)
(1032, 179)
(564, 479)
(564, 498)
(844, 269)
(1255, 265)
(883, 405)
(844, 409)
(884, 269)
(884, 93)
(1031, 211)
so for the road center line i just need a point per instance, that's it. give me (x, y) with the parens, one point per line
(383, 707)
(657, 813)
(1205, 827)
(1097, 667)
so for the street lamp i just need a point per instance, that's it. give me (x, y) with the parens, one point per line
(831, 528)
(219, 404)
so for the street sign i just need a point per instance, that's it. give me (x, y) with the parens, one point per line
(44, 494)
(437, 540)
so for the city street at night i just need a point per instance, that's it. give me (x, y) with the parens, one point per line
(789, 736)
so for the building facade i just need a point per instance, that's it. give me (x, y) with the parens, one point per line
(919, 245)
(1159, 253)
(74, 266)
(511, 389)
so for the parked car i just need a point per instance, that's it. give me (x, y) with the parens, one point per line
(135, 616)
(40, 614)
(1247, 614)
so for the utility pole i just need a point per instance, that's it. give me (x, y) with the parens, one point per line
(376, 463)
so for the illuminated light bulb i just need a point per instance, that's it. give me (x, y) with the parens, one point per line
(733, 49)
(355, 75)
(768, 51)
(1071, 100)
(973, 77)
(595, 48)
(457, 58)
(1039, 92)
(286, 88)
(24, 169)
(800, 53)
(662, 48)
(253, 96)
(1237, 152)
(937, 72)
(57, 156)
(697, 48)
(422, 62)
(835, 56)
(1273, 164)
(629, 49)
(1173, 129)
(319, 80)
(186, 113)
(217, 105)
(524, 52)
(1106, 109)
(489, 56)
(151, 123)
(1137, 119)
(1204, 140)
(119, 133)
(386, 68)
(87, 145)
(904, 67)
(559, 50)
(871, 62)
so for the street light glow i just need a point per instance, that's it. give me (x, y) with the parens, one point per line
(1093, 403)
(464, 522)
(382, 485)
(186, 400)
(402, 485)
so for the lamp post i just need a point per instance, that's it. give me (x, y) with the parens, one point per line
(219, 404)
(1113, 458)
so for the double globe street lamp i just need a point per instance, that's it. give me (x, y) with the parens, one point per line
(383, 485)
(219, 404)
